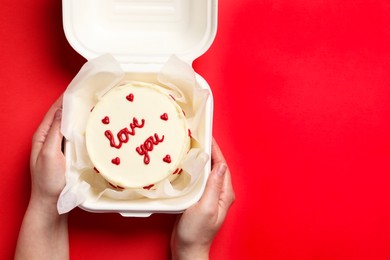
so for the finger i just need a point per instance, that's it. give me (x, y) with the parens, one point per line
(214, 188)
(43, 129)
(216, 154)
(227, 196)
(217, 157)
(48, 118)
(53, 140)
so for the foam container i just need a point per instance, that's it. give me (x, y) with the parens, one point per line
(142, 35)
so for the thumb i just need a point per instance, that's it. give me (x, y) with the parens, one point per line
(214, 187)
(54, 137)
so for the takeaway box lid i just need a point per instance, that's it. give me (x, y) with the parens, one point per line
(139, 32)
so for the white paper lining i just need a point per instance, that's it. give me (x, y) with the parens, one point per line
(95, 79)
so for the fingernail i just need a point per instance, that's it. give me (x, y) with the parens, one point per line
(58, 114)
(221, 170)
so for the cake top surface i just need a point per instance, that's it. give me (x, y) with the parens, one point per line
(136, 135)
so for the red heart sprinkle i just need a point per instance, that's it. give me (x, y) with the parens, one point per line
(130, 97)
(106, 120)
(164, 116)
(167, 159)
(116, 161)
(148, 187)
(112, 185)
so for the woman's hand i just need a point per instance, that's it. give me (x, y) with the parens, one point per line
(196, 228)
(47, 162)
(44, 233)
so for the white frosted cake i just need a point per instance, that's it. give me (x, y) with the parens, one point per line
(137, 135)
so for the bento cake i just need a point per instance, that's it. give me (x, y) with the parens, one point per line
(137, 135)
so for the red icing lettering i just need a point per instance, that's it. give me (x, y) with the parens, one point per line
(123, 135)
(130, 97)
(164, 116)
(167, 159)
(106, 120)
(116, 161)
(148, 146)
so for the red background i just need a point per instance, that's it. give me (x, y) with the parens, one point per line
(302, 105)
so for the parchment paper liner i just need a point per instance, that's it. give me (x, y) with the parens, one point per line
(96, 78)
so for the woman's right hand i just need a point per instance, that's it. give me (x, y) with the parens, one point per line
(196, 228)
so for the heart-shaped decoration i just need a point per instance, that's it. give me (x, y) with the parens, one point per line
(106, 120)
(130, 97)
(116, 161)
(164, 116)
(167, 159)
(148, 187)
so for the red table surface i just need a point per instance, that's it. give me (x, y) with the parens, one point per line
(302, 106)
